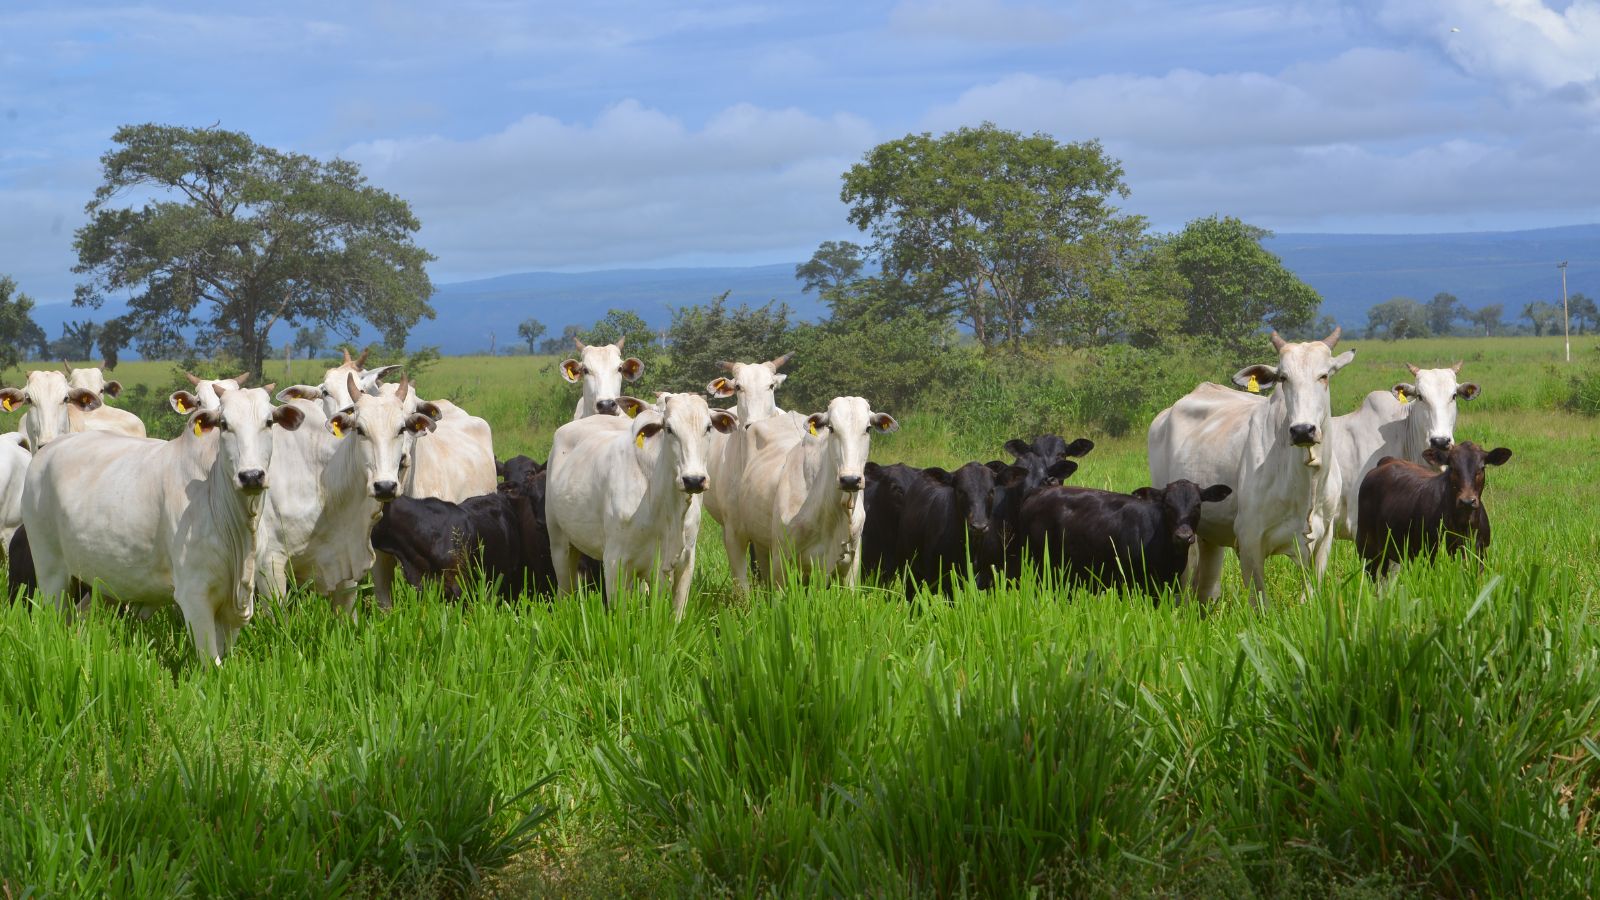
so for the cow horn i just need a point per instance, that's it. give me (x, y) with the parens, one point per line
(193, 378)
(361, 361)
(621, 340)
(579, 341)
(1278, 342)
(725, 366)
(1333, 338)
(346, 352)
(405, 385)
(350, 383)
(1414, 370)
(1457, 367)
(241, 378)
(66, 367)
(779, 362)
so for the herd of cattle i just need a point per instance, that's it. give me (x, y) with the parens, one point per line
(358, 475)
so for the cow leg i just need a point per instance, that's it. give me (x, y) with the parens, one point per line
(383, 579)
(201, 618)
(1205, 572)
(682, 574)
(564, 560)
(738, 550)
(342, 597)
(613, 579)
(1252, 564)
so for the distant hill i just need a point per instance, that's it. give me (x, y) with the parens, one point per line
(1352, 271)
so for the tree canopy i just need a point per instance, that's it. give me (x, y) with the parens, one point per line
(237, 237)
(1235, 285)
(1399, 318)
(17, 328)
(1443, 310)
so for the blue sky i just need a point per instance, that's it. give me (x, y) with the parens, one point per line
(607, 134)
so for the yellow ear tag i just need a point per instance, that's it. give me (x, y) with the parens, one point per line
(811, 427)
(178, 402)
(198, 432)
(337, 431)
(638, 440)
(1254, 386)
(6, 404)
(1402, 396)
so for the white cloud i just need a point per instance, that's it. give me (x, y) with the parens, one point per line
(995, 21)
(633, 186)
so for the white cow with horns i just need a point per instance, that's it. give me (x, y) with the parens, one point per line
(56, 407)
(754, 388)
(627, 492)
(156, 522)
(1279, 452)
(1405, 421)
(800, 499)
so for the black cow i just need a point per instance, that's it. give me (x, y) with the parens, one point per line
(19, 564)
(1108, 539)
(883, 497)
(1406, 509)
(1043, 460)
(502, 535)
(518, 469)
(944, 523)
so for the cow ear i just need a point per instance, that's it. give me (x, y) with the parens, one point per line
(1061, 469)
(204, 421)
(342, 424)
(632, 368)
(11, 398)
(429, 409)
(883, 423)
(299, 392)
(645, 432)
(937, 474)
(183, 402)
(720, 387)
(1497, 456)
(871, 469)
(1404, 392)
(288, 418)
(1343, 359)
(1079, 447)
(114, 388)
(996, 466)
(1148, 494)
(420, 424)
(1216, 493)
(1261, 375)
(779, 378)
(84, 399)
(571, 370)
(1018, 447)
(1433, 456)
(1012, 476)
(377, 375)
(631, 406)
(723, 421)
(1468, 391)
(816, 422)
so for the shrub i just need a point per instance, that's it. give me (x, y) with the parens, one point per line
(703, 335)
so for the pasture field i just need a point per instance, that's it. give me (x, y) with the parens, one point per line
(1440, 735)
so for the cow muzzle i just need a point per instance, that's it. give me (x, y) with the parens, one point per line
(252, 481)
(1304, 435)
(1184, 535)
(693, 484)
(1440, 443)
(606, 407)
(1467, 502)
(384, 491)
(851, 483)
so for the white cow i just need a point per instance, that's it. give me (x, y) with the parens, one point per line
(630, 495)
(1404, 421)
(754, 388)
(1279, 453)
(14, 459)
(56, 408)
(801, 492)
(155, 522)
(107, 417)
(601, 369)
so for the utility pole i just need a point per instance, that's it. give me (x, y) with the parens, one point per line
(1566, 322)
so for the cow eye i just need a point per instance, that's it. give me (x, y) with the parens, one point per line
(405, 460)
(1323, 379)
(361, 430)
(223, 425)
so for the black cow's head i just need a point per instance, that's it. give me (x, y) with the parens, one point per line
(1180, 507)
(1463, 464)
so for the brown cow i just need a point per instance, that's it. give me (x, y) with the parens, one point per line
(1405, 508)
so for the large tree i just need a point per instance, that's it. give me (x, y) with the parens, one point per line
(236, 237)
(1488, 317)
(983, 216)
(1544, 317)
(1443, 310)
(1235, 285)
(17, 328)
(1584, 312)
(1399, 318)
(530, 330)
(833, 265)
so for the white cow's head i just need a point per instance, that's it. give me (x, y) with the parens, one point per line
(601, 369)
(206, 389)
(241, 422)
(387, 433)
(48, 397)
(846, 429)
(755, 385)
(679, 427)
(1301, 377)
(92, 378)
(1430, 400)
(336, 392)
